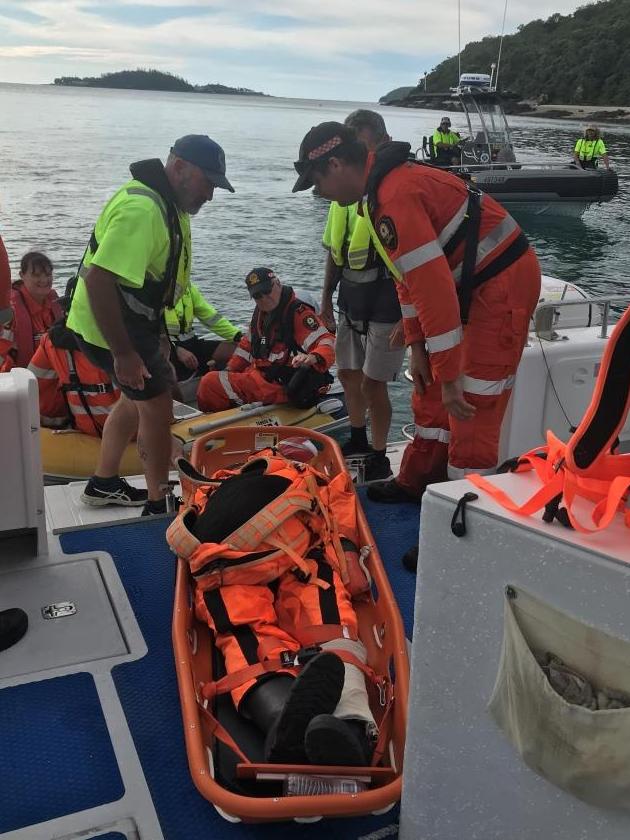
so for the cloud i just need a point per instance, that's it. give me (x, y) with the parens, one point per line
(329, 48)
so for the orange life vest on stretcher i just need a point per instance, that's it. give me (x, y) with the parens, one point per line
(281, 535)
(586, 465)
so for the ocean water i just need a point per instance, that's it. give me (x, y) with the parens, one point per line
(63, 151)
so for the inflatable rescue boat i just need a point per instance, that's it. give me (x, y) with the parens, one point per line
(68, 455)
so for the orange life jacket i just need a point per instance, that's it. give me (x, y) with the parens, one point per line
(586, 465)
(282, 535)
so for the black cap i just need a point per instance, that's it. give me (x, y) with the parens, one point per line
(260, 280)
(207, 155)
(322, 141)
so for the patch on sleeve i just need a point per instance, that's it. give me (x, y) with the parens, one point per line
(387, 233)
(310, 322)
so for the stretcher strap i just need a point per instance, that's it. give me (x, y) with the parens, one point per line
(222, 734)
(212, 689)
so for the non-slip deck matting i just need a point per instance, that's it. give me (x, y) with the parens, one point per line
(148, 686)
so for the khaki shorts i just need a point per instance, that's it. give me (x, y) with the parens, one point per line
(370, 353)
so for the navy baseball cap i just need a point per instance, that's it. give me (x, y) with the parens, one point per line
(260, 281)
(207, 155)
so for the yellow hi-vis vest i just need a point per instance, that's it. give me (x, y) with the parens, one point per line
(345, 226)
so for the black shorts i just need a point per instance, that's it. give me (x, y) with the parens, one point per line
(148, 348)
(203, 348)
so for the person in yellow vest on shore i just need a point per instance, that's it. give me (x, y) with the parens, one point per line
(590, 148)
(368, 346)
(446, 144)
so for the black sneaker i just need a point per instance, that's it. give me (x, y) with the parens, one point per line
(337, 743)
(13, 625)
(377, 469)
(350, 449)
(391, 493)
(160, 507)
(112, 491)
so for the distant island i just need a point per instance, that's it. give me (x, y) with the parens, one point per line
(151, 80)
(579, 60)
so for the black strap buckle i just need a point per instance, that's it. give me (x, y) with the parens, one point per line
(292, 658)
(101, 388)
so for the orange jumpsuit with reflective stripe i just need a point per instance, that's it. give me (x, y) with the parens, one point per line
(275, 584)
(6, 312)
(418, 211)
(52, 367)
(244, 379)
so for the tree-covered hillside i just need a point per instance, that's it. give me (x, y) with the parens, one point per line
(573, 59)
(149, 80)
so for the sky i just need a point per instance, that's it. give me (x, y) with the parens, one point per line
(320, 49)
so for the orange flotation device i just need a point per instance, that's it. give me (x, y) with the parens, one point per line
(281, 534)
(587, 466)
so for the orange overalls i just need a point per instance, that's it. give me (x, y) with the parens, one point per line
(276, 583)
(72, 391)
(265, 350)
(418, 217)
(31, 321)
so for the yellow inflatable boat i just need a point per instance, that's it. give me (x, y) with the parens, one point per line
(68, 455)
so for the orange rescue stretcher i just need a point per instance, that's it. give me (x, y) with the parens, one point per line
(251, 791)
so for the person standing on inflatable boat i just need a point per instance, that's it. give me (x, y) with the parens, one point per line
(136, 264)
(468, 283)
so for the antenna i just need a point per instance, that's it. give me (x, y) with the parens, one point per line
(496, 80)
(459, 39)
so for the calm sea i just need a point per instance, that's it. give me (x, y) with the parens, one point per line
(63, 151)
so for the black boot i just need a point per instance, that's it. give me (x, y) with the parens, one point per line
(13, 625)
(283, 707)
(338, 743)
(410, 559)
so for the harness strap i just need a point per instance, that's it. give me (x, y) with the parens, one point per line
(77, 387)
(471, 225)
(221, 733)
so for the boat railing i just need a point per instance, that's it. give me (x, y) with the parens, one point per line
(547, 314)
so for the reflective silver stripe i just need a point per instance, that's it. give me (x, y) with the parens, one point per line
(243, 354)
(313, 337)
(429, 433)
(184, 336)
(42, 373)
(213, 320)
(83, 270)
(327, 342)
(419, 256)
(227, 387)
(444, 341)
(496, 236)
(137, 306)
(153, 196)
(276, 357)
(455, 473)
(94, 409)
(52, 422)
(487, 387)
(455, 222)
(408, 310)
(356, 259)
(353, 275)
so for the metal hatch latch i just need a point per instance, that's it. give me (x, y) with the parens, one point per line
(59, 610)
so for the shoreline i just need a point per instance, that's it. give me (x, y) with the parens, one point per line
(586, 113)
